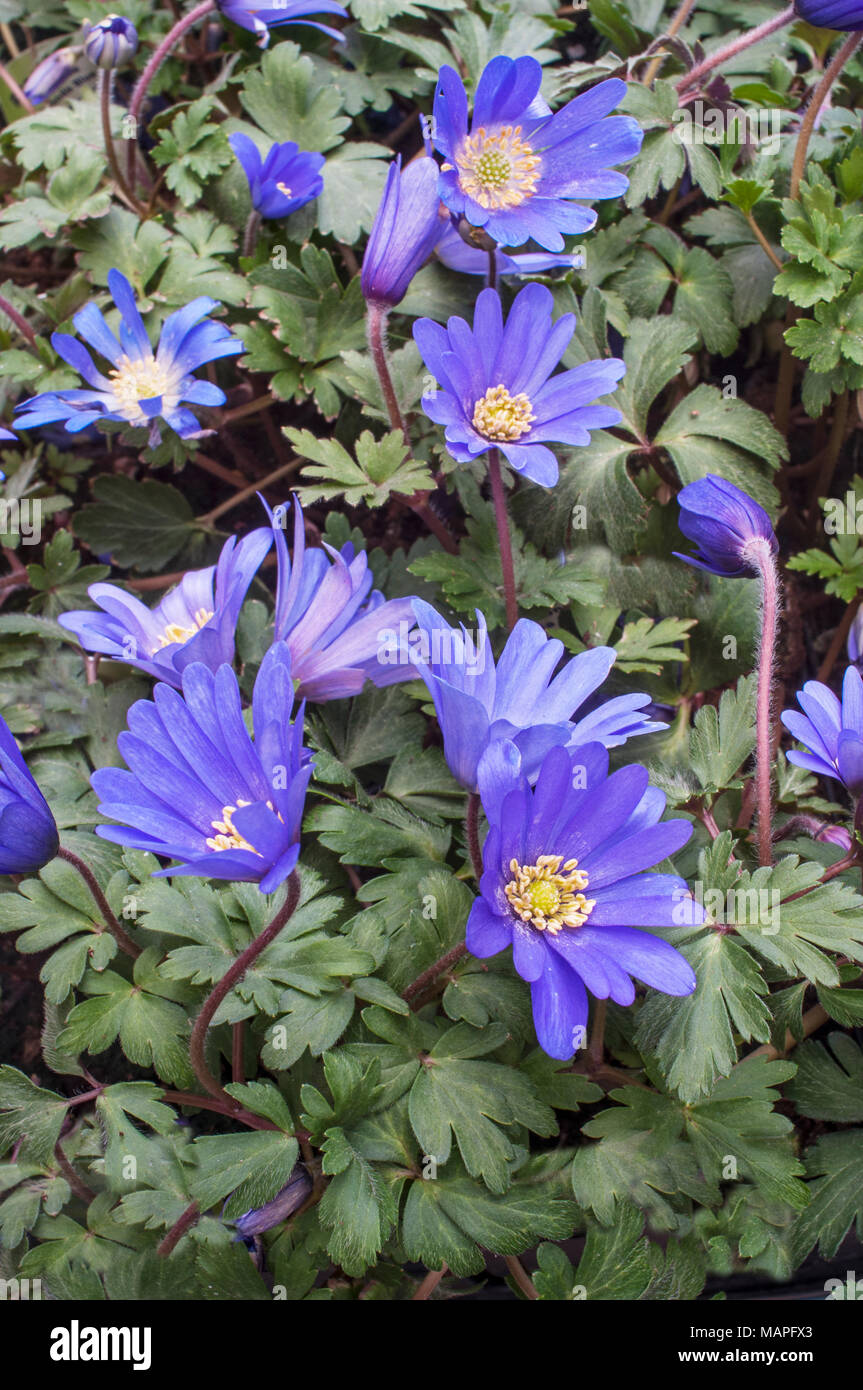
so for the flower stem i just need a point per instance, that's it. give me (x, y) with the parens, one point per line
(762, 556)
(106, 84)
(471, 826)
(819, 96)
(18, 319)
(491, 279)
(596, 1046)
(250, 235)
(429, 1284)
(429, 976)
(123, 941)
(178, 1230)
(376, 328)
(503, 537)
(232, 977)
(737, 45)
(76, 1183)
(16, 91)
(156, 60)
(678, 20)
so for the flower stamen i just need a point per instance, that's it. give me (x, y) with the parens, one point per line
(229, 837)
(547, 896)
(498, 415)
(176, 633)
(143, 379)
(497, 168)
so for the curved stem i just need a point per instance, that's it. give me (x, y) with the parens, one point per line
(471, 826)
(250, 235)
(18, 319)
(123, 941)
(429, 976)
(520, 1276)
(18, 94)
(76, 1183)
(503, 538)
(231, 977)
(106, 84)
(819, 96)
(737, 45)
(762, 556)
(763, 242)
(157, 58)
(178, 1230)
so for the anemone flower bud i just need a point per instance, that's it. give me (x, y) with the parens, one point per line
(28, 833)
(283, 1205)
(835, 835)
(727, 525)
(405, 231)
(832, 14)
(51, 74)
(855, 639)
(111, 42)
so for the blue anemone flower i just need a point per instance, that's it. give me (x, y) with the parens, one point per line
(832, 14)
(457, 254)
(831, 731)
(111, 41)
(496, 390)
(7, 434)
(196, 621)
(260, 19)
(142, 386)
(726, 523)
(28, 833)
(517, 168)
(333, 626)
(286, 180)
(519, 700)
(404, 233)
(563, 884)
(199, 790)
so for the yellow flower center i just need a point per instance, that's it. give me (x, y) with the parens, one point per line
(547, 896)
(498, 415)
(229, 837)
(497, 168)
(142, 380)
(176, 633)
(283, 188)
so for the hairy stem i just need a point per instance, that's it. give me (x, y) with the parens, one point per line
(156, 60)
(721, 55)
(503, 537)
(429, 1284)
(76, 1183)
(250, 235)
(439, 968)
(178, 1230)
(123, 941)
(18, 319)
(471, 826)
(762, 556)
(819, 96)
(106, 84)
(521, 1276)
(231, 977)
(678, 20)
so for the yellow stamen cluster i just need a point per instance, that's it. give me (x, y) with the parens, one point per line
(498, 415)
(283, 188)
(547, 896)
(229, 837)
(497, 168)
(175, 632)
(141, 380)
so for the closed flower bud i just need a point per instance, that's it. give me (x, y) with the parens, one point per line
(28, 833)
(111, 42)
(404, 233)
(832, 14)
(727, 525)
(51, 74)
(283, 1205)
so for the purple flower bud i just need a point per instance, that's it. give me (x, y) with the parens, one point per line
(51, 74)
(835, 835)
(283, 1205)
(111, 42)
(855, 639)
(726, 524)
(405, 231)
(28, 833)
(832, 14)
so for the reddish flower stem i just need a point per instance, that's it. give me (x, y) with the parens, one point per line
(735, 46)
(232, 977)
(429, 976)
(18, 319)
(503, 537)
(156, 60)
(123, 941)
(471, 826)
(762, 556)
(178, 1230)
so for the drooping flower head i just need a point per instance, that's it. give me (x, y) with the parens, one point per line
(51, 75)
(330, 618)
(830, 730)
(832, 14)
(516, 168)
(496, 390)
(259, 1219)
(286, 180)
(142, 386)
(28, 833)
(260, 19)
(727, 524)
(479, 703)
(199, 790)
(563, 883)
(196, 621)
(111, 41)
(404, 232)
(457, 254)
